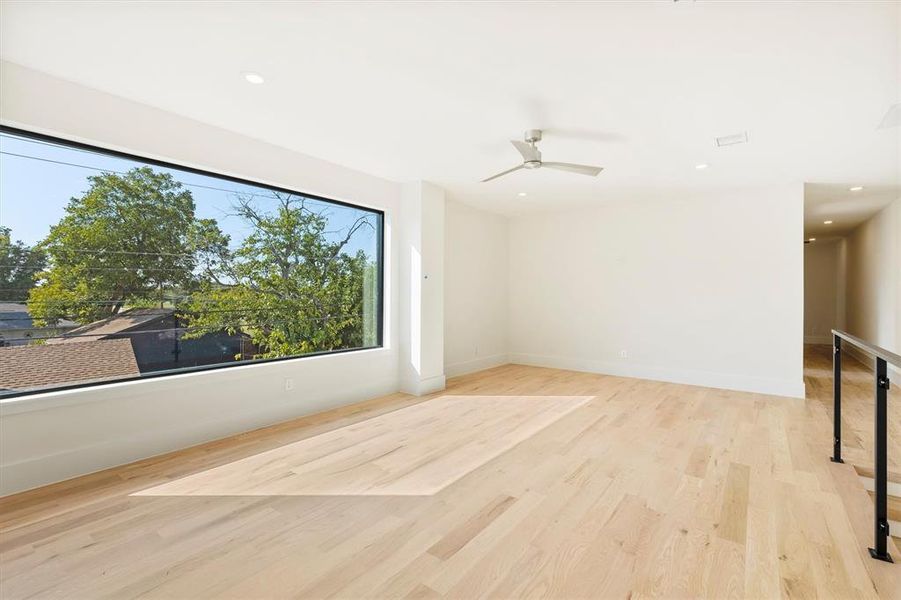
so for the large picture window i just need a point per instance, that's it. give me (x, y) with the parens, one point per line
(113, 267)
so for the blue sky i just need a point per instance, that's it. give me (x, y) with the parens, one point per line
(34, 193)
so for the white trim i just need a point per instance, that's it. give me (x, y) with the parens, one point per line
(425, 386)
(431, 384)
(477, 364)
(742, 383)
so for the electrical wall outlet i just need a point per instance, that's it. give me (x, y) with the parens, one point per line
(289, 384)
(624, 354)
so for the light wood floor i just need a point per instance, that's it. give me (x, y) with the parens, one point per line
(414, 451)
(642, 489)
(857, 405)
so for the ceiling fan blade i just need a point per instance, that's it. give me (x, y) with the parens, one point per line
(501, 174)
(572, 168)
(528, 151)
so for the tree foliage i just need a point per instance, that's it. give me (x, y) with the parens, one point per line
(290, 285)
(132, 240)
(128, 240)
(19, 264)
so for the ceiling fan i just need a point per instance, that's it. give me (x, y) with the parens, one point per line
(531, 158)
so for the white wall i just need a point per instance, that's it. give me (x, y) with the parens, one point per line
(874, 279)
(704, 289)
(475, 292)
(823, 291)
(421, 289)
(49, 437)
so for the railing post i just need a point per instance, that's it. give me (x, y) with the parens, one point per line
(881, 463)
(837, 399)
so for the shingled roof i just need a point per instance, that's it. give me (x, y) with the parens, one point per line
(28, 367)
(120, 323)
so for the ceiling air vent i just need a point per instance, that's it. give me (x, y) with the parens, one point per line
(731, 140)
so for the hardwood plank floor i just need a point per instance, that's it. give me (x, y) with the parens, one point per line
(418, 450)
(642, 489)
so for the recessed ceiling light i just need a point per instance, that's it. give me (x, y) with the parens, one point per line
(856, 188)
(701, 166)
(254, 78)
(827, 222)
(521, 194)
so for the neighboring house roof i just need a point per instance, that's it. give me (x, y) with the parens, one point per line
(14, 315)
(27, 367)
(119, 323)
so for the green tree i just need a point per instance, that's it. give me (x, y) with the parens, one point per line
(19, 264)
(290, 285)
(131, 239)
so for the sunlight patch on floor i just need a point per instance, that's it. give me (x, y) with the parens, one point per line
(418, 450)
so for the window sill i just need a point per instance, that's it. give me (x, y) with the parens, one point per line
(37, 400)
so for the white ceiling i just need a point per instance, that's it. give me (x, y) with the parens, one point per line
(418, 90)
(846, 209)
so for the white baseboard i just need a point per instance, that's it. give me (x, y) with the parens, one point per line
(741, 383)
(421, 387)
(475, 365)
(868, 361)
(860, 356)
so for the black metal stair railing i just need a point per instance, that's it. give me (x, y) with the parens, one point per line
(880, 463)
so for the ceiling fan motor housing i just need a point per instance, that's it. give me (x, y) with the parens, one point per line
(533, 135)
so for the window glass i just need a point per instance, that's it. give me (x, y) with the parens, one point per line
(112, 267)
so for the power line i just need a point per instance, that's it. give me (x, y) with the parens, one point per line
(125, 268)
(130, 252)
(120, 291)
(175, 311)
(208, 328)
(57, 145)
(101, 170)
(167, 297)
(60, 146)
(45, 328)
(136, 253)
(110, 302)
(253, 192)
(178, 312)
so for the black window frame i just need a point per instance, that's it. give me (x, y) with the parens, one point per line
(380, 286)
